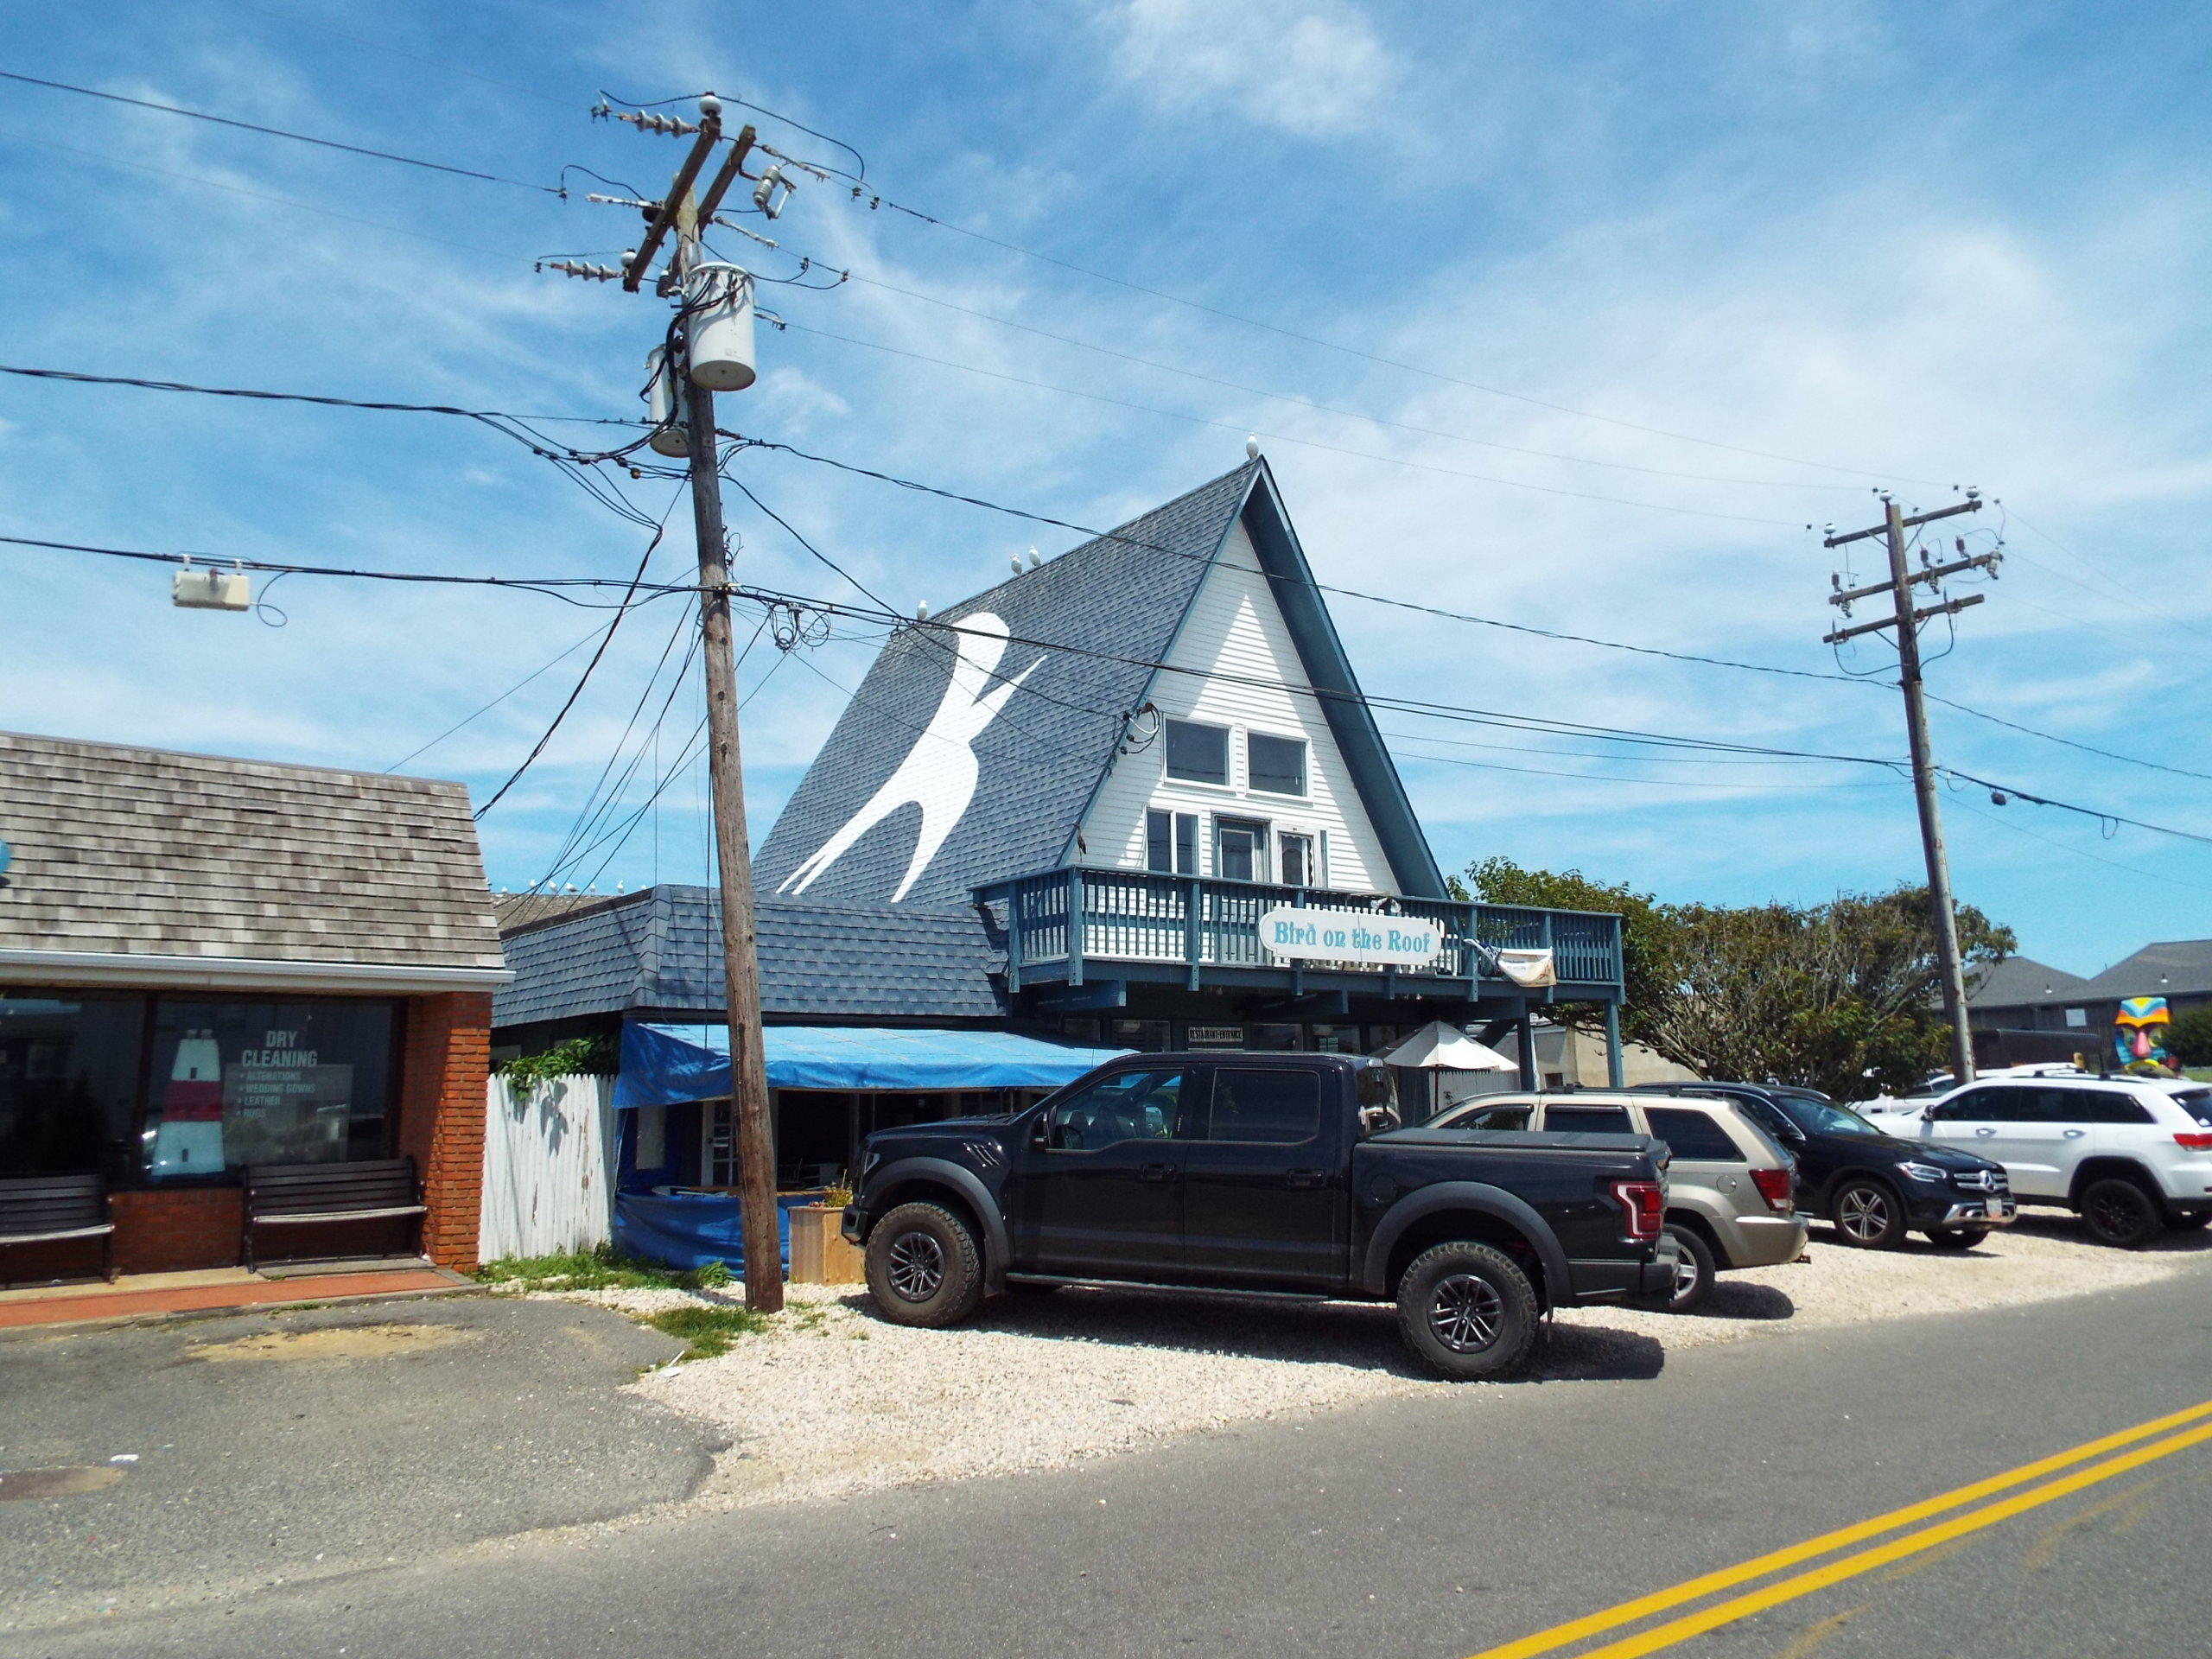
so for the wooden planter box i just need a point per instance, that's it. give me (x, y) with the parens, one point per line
(820, 1253)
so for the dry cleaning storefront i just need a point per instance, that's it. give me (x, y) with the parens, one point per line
(208, 963)
(1131, 799)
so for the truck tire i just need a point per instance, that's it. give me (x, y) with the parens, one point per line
(2118, 1213)
(1869, 1214)
(1467, 1312)
(923, 1267)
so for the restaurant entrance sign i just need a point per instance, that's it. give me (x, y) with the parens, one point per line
(1350, 936)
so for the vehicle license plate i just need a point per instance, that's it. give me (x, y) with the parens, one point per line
(2001, 1208)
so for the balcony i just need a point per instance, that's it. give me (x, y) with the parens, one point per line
(1064, 925)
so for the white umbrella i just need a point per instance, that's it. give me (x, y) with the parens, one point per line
(1439, 1047)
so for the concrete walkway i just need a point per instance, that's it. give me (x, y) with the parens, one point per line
(156, 1295)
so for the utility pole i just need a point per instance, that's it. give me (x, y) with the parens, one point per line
(1906, 620)
(708, 297)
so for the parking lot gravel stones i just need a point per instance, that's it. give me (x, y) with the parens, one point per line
(832, 1399)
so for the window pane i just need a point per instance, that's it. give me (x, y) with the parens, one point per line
(1588, 1120)
(1128, 1106)
(68, 1082)
(1295, 859)
(1158, 827)
(1273, 1107)
(236, 1083)
(1692, 1134)
(1146, 1036)
(1276, 765)
(1236, 858)
(2099, 1106)
(1196, 753)
(1975, 1106)
(1187, 843)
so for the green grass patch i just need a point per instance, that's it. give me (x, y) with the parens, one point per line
(599, 1268)
(707, 1330)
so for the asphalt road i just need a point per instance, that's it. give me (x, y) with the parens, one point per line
(1431, 1527)
(273, 1446)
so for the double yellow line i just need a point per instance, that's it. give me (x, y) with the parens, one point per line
(2193, 1427)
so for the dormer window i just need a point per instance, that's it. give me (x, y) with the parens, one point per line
(1274, 766)
(1196, 753)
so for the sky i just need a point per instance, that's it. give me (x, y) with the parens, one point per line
(1588, 319)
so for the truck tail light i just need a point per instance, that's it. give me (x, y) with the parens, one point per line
(2195, 1142)
(1644, 1204)
(1775, 1186)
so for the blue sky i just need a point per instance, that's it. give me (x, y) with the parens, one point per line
(1644, 255)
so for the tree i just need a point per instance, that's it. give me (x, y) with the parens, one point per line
(2189, 1037)
(1842, 997)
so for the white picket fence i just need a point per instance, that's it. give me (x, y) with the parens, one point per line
(550, 1151)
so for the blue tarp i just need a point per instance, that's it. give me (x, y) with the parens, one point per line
(663, 1066)
(689, 1230)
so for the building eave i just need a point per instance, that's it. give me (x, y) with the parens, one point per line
(149, 971)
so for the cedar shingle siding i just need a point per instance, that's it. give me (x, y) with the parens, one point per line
(145, 852)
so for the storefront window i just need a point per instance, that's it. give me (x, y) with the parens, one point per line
(68, 1081)
(234, 1084)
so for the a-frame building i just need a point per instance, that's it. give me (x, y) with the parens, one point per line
(1065, 806)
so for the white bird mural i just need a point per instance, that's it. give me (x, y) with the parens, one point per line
(939, 772)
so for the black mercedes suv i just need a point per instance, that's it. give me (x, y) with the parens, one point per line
(1875, 1187)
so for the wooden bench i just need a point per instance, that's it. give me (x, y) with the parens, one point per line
(42, 1209)
(304, 1195)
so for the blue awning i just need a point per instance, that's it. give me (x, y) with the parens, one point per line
(665, 1064)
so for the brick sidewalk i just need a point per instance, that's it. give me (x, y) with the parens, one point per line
(142, 1299)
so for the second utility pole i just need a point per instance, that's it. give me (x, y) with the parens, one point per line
(1907, 622)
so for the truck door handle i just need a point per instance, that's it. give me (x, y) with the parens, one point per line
(2075, 1134)
(1156, 1172)
(1307, 1177)
(1985, 1131)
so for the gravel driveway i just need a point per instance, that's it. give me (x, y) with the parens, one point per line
(834, 1400)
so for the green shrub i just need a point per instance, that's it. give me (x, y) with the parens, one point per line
(2189, 1039)
(578, 1057)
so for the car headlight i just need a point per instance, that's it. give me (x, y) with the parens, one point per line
(1934, 1175)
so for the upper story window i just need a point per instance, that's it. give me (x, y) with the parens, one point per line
(1196, 753)
(1275, 765)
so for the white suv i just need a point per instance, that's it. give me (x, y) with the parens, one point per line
(2129, 1154)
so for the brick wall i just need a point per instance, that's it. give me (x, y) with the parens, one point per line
(169, 1232)
(448, 1060)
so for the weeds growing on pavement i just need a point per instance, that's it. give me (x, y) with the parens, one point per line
(597, 1268)
(708, 1331)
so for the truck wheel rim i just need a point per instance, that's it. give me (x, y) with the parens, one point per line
(1685, 1275)
(1464, 1313)
(1865, 1213)
(917, 1267)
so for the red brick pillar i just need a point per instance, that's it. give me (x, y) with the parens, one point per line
(449, 1061)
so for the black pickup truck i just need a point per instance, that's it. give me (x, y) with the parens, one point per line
(1281, 1175)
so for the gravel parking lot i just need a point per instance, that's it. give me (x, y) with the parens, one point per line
(834, 1400)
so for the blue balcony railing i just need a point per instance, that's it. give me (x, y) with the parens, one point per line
(1061, 925)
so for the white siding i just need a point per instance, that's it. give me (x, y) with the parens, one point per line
(1235, 628)
(548, 1167)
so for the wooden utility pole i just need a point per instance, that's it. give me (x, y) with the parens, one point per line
(1907, 621)
(681, 214)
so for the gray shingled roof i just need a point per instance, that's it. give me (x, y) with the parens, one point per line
(2171, 968)
(1042, 756)
(660, 951)
(124, 851)
(2018, 981)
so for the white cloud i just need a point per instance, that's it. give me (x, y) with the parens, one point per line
(1313, 68)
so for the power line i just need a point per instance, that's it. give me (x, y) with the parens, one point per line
(526, 679)
(551, 587)
(2052, 737)
(2013, 793)
(1285, 437)
(2079, 852)
(280, 132)
(583, 679)
(256, 195)
(81, 377)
